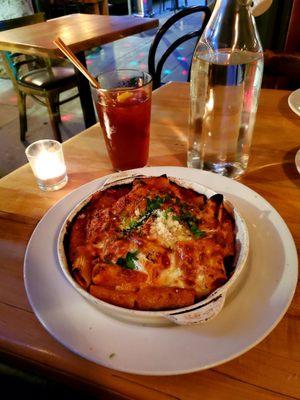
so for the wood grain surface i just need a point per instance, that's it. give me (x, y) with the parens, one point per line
(271, 370)
(79, 31)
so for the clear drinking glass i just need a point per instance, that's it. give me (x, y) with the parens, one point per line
(226, 77)
(48, 165)
(124, 108)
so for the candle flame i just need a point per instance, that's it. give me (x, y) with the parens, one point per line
(49, 165)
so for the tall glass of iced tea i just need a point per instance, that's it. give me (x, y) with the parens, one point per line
(124, 107)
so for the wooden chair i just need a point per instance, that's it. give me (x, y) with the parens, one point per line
(281, 70)
(165, 36)
(36, 77)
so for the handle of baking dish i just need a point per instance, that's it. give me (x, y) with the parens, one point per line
(199, 314)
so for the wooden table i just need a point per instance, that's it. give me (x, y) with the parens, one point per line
(81, 32)
(271, 370)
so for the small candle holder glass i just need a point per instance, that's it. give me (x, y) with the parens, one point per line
(48, 165)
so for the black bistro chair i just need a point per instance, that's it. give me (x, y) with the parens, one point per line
(36, 77)
(172, 49)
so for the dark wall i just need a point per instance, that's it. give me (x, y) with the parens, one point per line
(273, 25)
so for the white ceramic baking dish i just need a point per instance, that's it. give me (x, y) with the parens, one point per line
(199, 312)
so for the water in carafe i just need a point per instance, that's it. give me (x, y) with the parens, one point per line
(225, 85)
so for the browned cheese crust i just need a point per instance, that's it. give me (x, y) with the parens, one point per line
(151, 245)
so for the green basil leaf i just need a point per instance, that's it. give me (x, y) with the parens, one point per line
(128, 261)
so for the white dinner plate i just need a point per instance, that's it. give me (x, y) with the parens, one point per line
(297, 160)
(250, 313)
(294, 101)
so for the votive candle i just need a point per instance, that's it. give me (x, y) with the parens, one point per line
(48, 165)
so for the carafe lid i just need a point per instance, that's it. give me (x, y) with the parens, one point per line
(259, 7)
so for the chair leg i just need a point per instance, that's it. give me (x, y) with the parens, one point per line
(22, 115)
(53, 118)
(57, 110)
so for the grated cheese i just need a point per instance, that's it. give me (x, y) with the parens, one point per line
(167, 230)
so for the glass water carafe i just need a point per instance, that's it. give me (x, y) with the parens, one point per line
(226, 77)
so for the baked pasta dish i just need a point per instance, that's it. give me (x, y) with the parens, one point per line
(151, 245)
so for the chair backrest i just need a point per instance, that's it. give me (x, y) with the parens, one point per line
(281, 70)
(14, 61)
(175, 43)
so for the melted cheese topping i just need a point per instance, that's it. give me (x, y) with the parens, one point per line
(172, 276)
(151, 245)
